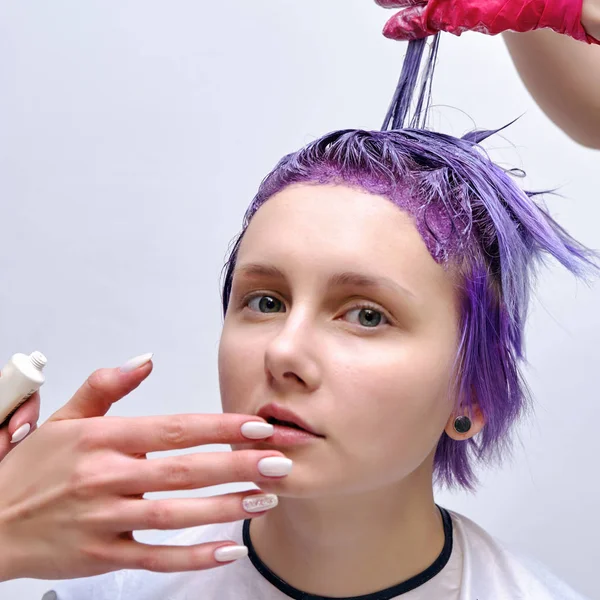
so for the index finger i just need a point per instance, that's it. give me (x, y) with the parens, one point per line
(139, 435)
(27, 413)
(23, 422)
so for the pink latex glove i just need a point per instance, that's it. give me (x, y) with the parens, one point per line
(422, 18)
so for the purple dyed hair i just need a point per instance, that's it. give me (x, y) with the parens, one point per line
(474, 219)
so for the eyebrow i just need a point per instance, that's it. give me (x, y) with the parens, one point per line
(345, 278)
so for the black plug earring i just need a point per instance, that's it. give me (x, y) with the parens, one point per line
(462, 424)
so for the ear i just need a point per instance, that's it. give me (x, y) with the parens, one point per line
(477, 423)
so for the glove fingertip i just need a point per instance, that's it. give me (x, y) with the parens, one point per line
(406, 25)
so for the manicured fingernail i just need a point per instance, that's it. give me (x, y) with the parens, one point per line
(259, 502)
(135, 363)
(20, 433)
(255, 430)
(275, 466)
(227, 553)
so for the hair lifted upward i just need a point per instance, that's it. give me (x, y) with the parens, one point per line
(472, 217)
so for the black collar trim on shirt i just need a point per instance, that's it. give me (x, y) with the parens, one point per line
(392, 592)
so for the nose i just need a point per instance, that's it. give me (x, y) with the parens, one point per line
(290, 360)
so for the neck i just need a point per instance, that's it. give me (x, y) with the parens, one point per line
(352, 545)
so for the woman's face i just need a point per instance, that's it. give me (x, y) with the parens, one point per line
(367, 364)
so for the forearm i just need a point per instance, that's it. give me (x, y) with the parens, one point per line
(590, 17)
(563, 76)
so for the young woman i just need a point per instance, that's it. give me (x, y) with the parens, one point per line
(374, 311)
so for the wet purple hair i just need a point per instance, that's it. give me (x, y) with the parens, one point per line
(473, 218)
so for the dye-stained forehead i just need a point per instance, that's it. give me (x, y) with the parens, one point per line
(316, 231)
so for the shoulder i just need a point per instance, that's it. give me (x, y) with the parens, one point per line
(490, 562)
(119, 585)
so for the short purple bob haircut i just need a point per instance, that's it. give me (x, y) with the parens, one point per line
(474, 219)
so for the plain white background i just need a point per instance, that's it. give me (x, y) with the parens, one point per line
(133, 135)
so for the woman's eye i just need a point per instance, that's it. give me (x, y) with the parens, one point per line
(265, 304)
(368, 316)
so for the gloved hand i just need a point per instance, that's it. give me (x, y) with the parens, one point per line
(422, 18)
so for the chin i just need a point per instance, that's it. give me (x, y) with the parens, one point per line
(302, 482)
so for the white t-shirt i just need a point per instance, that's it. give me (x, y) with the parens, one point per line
(472, 566)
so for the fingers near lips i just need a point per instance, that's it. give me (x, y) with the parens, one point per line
(134, 515)
(140, 435)
(189, 471)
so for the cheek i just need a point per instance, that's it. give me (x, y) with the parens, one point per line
(239, 362)
(397, 395)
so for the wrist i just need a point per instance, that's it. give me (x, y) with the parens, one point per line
(590, 17)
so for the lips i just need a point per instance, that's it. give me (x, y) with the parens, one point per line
(278, 415)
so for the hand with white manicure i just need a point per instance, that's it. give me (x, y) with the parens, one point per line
(73, 489)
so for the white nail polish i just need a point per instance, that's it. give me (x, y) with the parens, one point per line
(135, 363)
(259, 502)
(227, 553)
(275, 466)
(21, 433)
(255, 430)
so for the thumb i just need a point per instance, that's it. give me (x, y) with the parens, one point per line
(408, 24)
(103, 388)
(399, 3)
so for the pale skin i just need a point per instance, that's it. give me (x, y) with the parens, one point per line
(563, 75)
(74, 515)
(379, 395)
